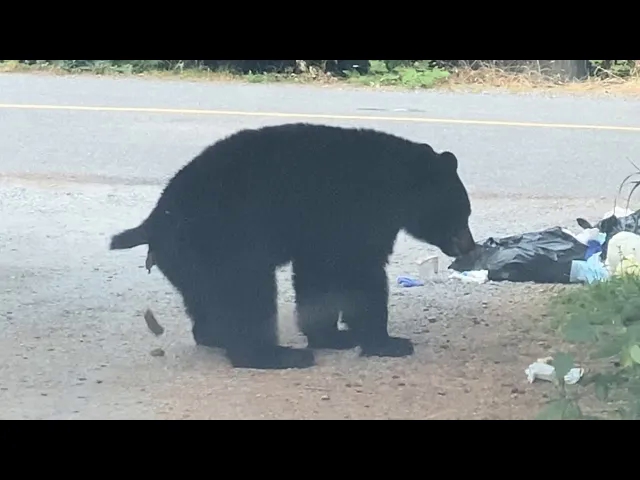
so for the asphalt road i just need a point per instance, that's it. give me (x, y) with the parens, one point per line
(72, 340)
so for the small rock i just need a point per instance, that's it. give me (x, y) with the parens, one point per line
(98, 381)
(325, 397)
(158, 352)
(442, 393)
(152, 323)
(44, 394)
(401, 384)
(432, 319)
(82, 379)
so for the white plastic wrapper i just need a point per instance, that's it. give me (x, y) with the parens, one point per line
(428, 267)
(543, 371)
(476, 276)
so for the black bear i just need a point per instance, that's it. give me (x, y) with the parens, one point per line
(331, 200)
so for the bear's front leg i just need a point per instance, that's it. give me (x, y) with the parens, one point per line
(365, 311)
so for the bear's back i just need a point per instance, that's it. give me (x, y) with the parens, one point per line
(293, 164)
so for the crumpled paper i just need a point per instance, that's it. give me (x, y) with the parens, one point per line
(543, 371)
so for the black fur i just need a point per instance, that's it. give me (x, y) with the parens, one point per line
(329, 199)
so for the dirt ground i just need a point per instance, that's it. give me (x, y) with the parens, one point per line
(74, 344)
(470, 365)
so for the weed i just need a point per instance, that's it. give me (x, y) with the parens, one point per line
(603, 319)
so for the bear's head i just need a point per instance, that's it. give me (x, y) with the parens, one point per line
(438, 211)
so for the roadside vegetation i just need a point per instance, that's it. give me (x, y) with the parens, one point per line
(614, 76)
(599, 325)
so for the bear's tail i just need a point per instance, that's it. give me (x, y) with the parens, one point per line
(129, 238)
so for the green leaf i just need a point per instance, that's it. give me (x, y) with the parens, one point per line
(625, 358)
(572, 411)
(578, 331)
(634, 353)
(554, 410)
(590, 417)
(609, 349)
(562, 362)
(602, 391)
(633, 332)
(562, 409)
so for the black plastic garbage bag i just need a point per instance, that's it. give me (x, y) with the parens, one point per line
(541, 257)
(612, 225)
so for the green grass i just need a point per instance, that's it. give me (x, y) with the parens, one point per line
(411, 76)
(417, 75)
(602, 324)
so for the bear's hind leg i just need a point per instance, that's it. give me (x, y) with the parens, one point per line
(318, 306)
(245, 301)
(365, 294)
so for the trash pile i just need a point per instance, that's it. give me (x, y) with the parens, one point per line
(556, 255)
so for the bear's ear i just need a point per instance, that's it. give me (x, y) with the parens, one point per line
(449, 160)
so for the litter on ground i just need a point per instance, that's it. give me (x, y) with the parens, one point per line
(542, 370)
(407, 282)
(475, 276)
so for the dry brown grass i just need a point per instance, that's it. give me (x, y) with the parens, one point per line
(495, 78)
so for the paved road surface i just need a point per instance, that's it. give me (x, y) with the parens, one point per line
(72, 340)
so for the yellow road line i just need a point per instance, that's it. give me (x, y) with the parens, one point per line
(388, 118)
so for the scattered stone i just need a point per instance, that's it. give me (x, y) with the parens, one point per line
(158, 352)
(325, 397)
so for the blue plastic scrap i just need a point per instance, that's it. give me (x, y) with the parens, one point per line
(589, 271)
(593, 247)
(409, 282)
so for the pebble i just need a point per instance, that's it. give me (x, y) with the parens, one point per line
(158, 352)
(325, 397)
